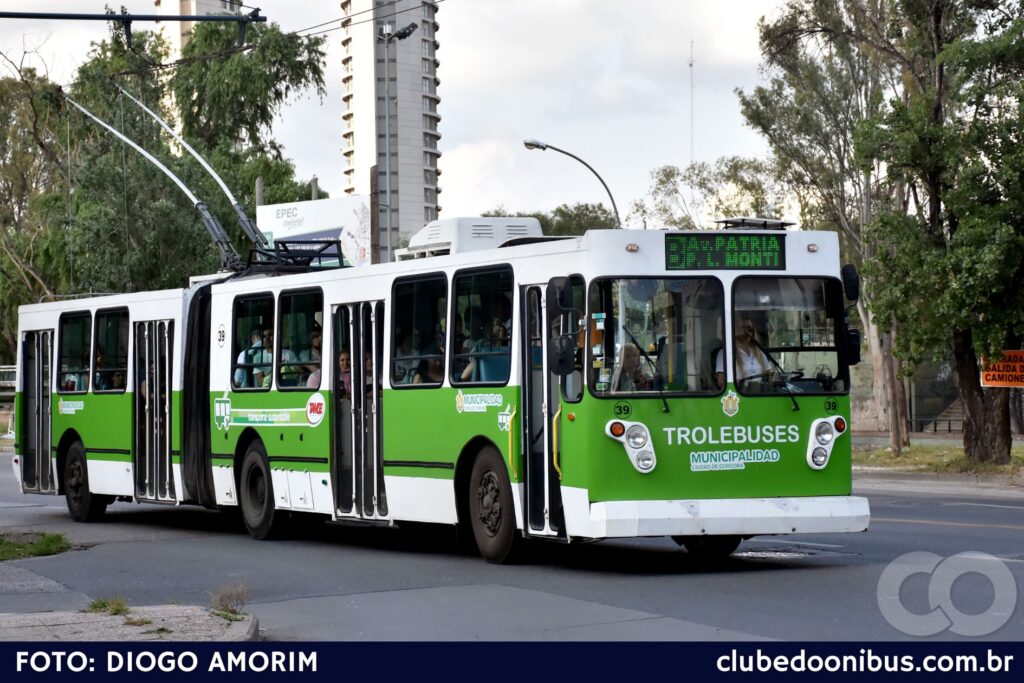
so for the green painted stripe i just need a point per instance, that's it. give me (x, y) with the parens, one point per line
(420, 463)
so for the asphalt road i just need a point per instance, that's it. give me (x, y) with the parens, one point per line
(345, 583)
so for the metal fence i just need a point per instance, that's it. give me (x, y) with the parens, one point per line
(938, 426)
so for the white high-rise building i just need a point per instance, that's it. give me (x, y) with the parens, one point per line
(177, 33)
(414, 118)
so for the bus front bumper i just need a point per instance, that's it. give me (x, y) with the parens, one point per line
(713, 517)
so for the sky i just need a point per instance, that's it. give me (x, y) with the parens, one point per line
(607, 80)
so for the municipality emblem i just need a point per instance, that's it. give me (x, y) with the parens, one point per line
(731, 403)
(505, 418)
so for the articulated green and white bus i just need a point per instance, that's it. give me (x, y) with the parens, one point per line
(619, 384)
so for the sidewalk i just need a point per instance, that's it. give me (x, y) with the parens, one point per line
(169, 622)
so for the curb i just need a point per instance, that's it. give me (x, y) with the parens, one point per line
(247, 629)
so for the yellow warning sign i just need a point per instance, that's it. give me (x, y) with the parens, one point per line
(1009, 372)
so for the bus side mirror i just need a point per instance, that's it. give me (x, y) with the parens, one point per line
(559, 296)
(853, 346)
(561, 355)
(851, 282)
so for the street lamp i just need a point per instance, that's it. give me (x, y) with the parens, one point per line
(530, 143)
(386, 36)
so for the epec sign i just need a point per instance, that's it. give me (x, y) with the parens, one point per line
(286, 213)
(1008, 372)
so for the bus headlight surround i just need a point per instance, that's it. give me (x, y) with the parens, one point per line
(636, 441)
(636, 437)
(824, 433)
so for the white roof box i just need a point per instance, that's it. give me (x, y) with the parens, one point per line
(459, 235)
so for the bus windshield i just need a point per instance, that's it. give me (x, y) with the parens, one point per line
(653, 336)
(785, 336)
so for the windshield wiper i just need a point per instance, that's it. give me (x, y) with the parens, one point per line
(785, 383)
(658, 380)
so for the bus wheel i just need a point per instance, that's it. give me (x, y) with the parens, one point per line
(256, 491)
(83, 505)
(709, 547)
(491, 510)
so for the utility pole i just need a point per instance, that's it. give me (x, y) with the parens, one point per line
(691, 62)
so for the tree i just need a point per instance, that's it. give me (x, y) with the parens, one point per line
(566, 219)
(92, 215)
(820, 90)
(235, 98)
(949, 270)
(689, 198)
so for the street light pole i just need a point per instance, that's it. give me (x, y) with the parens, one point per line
(386, 36)
(530, 143)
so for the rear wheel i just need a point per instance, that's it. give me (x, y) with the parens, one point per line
(709, 547)
(256, 492)
(83, 505)
(491, 510)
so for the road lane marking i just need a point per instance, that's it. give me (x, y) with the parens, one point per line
(991, 505)
(893, 520)
(786, 542)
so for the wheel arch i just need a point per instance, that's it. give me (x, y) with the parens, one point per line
(66, 439)
(463, 470)
(247, 437)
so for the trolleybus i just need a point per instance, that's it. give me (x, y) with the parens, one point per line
(617, 384)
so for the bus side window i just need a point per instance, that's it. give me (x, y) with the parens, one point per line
(74, 342)
(253, 342)
(418, 333)
(483, 304)
(111, 351)
(300, 340)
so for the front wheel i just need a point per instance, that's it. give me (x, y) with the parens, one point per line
(83, 505)
(709, 547)
(256, 493)
(491, 510)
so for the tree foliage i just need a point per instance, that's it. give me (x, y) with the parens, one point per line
(948, 266)
(84, 213)
(566, 219)
(690, 198)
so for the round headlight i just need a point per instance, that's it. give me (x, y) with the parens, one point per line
(645, 460)
(636, 436)
(819, 456)
(824, 433)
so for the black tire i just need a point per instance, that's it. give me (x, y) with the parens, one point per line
(492, 513)
(709, 547)
(83, 505)
(256, 493)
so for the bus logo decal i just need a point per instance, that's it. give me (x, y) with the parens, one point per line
(69, 407)
(315, 409)
(731, 403)
(222, 412)
(477, 403)
(504, 418)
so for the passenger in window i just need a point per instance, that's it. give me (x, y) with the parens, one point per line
(290, 368)
(629, 375)
(261, 374)
(344, 380)
(406, 357)
(312, 354)
(502, 328)
(101, 378)
(117, 380)
(430, 370)
(243, 373)
(750, 360)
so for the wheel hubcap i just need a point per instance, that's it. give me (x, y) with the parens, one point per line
(257, 490)
(74, 482)
(488, 494)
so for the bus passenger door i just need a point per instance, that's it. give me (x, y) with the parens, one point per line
(541, 410)
(358, 469)
(154, 346)
(36, 464)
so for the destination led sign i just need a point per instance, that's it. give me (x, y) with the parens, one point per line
(724, 251)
